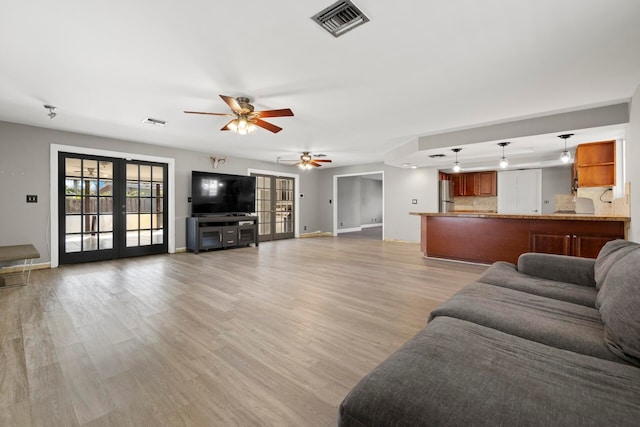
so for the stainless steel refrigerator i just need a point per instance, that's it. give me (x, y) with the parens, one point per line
(446, 196)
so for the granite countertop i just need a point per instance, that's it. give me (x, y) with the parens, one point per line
(554, 216)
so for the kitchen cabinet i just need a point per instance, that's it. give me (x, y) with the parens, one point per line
(459, 184)
(489, 237)
(485, 183)
(595, 164)
(475, 184)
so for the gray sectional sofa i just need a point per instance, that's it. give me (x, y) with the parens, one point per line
(552, 341)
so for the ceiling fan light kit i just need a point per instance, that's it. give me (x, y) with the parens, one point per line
(565, 157)
(245, 119)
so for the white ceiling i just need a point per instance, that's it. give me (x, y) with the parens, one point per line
(417, 68)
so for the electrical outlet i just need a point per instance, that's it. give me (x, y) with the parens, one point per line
(414, 201)
(305, 228)
(32, 198)
(188, 199)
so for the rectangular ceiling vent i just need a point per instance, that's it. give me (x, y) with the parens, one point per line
(154, 122)
(437, 156)
(340, 17)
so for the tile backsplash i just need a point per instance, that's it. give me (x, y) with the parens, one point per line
(479, 204)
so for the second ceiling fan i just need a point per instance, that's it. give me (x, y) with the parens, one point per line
(308, 160)
(246, 120)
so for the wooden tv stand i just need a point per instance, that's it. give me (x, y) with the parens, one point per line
(221, 231)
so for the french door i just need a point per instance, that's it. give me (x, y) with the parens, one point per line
(275, 207)
(110, 208)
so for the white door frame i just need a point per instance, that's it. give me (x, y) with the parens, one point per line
(55, 149)
(296, 193)
(335, 198)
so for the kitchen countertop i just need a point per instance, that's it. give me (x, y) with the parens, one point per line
(554, 216)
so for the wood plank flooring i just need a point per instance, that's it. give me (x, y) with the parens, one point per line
(268, 336)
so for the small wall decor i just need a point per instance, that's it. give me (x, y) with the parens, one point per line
(215, 161)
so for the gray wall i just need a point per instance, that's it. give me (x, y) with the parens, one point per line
(556, 180)
(24, 169)
(401, 186)
(370, 201)
(632, 158)
(348, 203)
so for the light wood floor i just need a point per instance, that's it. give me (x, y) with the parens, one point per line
(275, 335)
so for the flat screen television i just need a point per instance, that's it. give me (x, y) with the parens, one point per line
(222, 194)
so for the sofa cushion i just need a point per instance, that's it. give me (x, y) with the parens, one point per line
(619, 300)
(457, 373)
(506, 275)
(560, 268)
(548, 321)
(611, 253)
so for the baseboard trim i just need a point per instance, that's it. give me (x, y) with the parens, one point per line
(18, 267)
(349, 230)
(315, 234)
(375, 224)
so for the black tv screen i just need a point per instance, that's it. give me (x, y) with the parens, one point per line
(217, 193)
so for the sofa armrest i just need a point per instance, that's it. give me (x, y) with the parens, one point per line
(561, 268)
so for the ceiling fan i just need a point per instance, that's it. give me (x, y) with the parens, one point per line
(308, 160)
(246, 120)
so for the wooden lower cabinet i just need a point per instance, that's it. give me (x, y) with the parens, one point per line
(491, 239)
(580, 245)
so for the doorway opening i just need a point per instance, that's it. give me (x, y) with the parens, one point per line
(358, 208)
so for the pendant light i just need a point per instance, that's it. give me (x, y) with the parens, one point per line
(456, 164)
(565, 156)
(503, 160)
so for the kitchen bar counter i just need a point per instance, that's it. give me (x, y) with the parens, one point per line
(488, 237)
(553, 216)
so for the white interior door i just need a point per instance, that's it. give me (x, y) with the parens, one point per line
(520, 191)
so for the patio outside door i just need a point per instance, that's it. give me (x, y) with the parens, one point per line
(110, 208)
(275, 207)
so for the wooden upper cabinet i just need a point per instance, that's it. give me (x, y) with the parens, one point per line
(475, 184)
(595, 164)
(485, 183)
(459, 184)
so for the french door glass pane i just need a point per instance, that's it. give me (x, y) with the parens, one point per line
(86, 212)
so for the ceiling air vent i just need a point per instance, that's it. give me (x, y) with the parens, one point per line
(340, 18)
(154, 122)
(437, 156)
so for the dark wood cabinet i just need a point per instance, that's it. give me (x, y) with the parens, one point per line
(595, 164)
(485, 183)
(487, 238)
(475, 184)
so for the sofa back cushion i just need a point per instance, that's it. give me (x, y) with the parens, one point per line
(611, 253)
(620, 307)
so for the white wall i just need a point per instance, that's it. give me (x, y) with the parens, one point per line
(632, 159)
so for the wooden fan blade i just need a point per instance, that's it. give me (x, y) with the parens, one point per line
(232, 103)
(313, 162)
(266, 125)
(226, 127)
(285, 112)
(210, 114)
(322, 160)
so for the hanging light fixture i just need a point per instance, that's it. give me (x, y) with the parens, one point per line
(565, 156)
(242, 125)
(503, 160)
(456, 164)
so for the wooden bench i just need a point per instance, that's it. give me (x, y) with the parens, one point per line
(18, 253)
